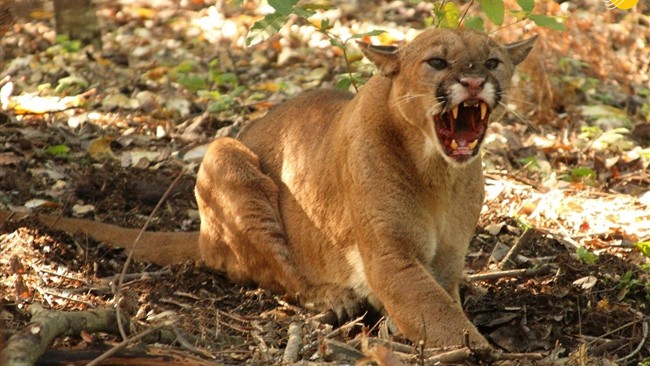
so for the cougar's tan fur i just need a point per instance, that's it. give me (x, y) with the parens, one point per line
(340, 199)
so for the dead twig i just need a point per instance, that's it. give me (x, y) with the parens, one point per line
(638, 348)
(182, 340)
(519, 356)
(602, 336)
(122, 345)
(526, 272)
(523, 241)
(395, 346)
(454, 356)
(345, 327)
(294, 343)
(262, 347)
(137, 276)
(125, 267)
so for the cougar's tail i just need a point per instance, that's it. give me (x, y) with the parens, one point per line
(162, 248)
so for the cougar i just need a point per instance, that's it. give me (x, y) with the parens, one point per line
(341, 200)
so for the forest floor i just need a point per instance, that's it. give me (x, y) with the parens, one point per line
(101, 133)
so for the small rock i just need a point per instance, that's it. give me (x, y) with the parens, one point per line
(82, 210)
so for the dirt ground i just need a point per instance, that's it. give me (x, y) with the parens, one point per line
(580, 296)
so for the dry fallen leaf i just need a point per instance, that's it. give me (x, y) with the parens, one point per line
(100, 148)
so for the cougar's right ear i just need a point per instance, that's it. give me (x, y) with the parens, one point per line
(386, 58)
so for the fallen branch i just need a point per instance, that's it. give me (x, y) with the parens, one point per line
(338, 350)
(523, 241)
(526, 272)
(454, 356)
(25, 347)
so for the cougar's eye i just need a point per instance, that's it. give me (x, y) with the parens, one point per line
(492, 63)
(437, 63)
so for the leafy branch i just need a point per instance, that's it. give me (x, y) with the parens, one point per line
(445, 14)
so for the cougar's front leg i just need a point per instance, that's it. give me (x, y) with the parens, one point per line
(416, 303)
(241, 229)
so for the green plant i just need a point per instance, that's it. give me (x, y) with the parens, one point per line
(615, 139)
(185, 74)
(645, 267)
(629, 284)
(586, 256)
(446, 14)
(530, 163)
(523, 224)
(644, 247)
(68, 45)
(220, 88)
(582, 173)
(58, 151)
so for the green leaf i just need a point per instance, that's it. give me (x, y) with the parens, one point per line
(373, 33)
(192, 82)
(219, 106)
(315, 6)
(644, 247)
(583, 172)
(69, 45)
(547, 21)
(302, 12)
(70, 83)
(518, 14)
(227, 78)
(343, 84)
(184, 67)
(526, 5)
(336, 43)
(58, 150)
(494, 10)
(451, 16)
(586, 256)
(474, 23)
(284, 7)
(324, 25)
(265, 28)
(238, 91)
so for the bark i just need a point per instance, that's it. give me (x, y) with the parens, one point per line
(25, 347)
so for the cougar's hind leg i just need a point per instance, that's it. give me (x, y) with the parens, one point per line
(241, 227)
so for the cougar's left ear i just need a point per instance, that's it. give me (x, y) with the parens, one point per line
(386, 58)
(518, 51)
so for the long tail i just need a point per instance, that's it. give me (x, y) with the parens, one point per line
(162, 248)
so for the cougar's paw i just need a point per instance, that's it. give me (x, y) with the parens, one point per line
(342, 303)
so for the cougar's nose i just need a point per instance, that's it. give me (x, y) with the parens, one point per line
(473, 84)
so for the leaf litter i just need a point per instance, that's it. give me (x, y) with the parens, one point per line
(100, 133)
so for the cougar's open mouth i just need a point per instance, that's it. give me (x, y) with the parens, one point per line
(461, 128)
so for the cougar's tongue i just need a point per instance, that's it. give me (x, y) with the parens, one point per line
(461, 129)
